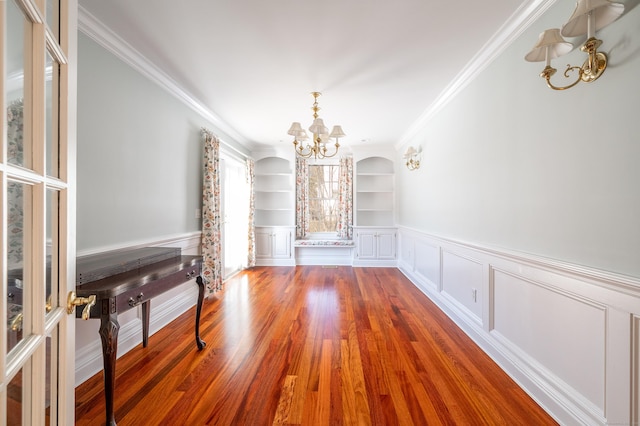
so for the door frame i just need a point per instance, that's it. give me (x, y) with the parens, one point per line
(29, 357)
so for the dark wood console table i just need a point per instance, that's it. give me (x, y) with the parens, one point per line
(122, 280)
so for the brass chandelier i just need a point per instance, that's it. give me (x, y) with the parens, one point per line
(321, 136)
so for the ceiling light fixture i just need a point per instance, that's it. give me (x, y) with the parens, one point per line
(588, 17)
(321, 135)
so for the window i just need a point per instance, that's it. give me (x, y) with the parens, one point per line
(323, 198)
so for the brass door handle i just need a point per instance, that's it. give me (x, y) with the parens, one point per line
(73, 301)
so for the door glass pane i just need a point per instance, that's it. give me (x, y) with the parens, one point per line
(17, 49)
(51, 116)
(51, 379)
(14, 401)
(52, 252)
(18, 220)
(53, 14)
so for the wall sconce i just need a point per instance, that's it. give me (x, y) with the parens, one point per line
(412, 157)
(588, 17)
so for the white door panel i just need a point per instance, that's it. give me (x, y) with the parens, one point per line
(38, 215)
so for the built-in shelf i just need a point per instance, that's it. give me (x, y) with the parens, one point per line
(374, 184)
(274, 192)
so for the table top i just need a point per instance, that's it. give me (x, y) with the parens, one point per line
(119, 283)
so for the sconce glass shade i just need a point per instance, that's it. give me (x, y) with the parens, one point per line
(550, 45)
(337, 132)
(603, 12)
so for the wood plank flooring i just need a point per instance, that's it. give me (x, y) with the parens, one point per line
(309, 345)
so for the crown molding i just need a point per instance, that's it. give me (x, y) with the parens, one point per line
(105, 37)
(523, 17)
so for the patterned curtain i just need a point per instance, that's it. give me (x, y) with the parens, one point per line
(302, 198)
(345, 207)
(211, 222)
(251, 180)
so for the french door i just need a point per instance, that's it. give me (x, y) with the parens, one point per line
(37, 195)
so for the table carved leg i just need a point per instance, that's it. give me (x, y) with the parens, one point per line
(146, 313)
(109, 328)
(201, 344)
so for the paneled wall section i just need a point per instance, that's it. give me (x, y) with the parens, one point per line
(567, 334)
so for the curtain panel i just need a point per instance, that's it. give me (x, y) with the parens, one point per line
(345, 206)
(211, 221)
(302, 198)
(251, 180)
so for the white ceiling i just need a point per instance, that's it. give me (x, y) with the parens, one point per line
(380, 64)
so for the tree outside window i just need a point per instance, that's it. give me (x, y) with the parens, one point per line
(323, 198)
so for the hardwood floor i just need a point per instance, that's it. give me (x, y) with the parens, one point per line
(314, 346)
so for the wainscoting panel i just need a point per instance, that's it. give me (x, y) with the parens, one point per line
(323, 255)
(561, 331)
(567, 334)
(463, 282)
(427, 263)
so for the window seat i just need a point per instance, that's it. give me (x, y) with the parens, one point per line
(323, 243)
(323, 252)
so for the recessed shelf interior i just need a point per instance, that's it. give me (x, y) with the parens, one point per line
(374, 192)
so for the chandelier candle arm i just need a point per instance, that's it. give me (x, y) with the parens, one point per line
(318, 144)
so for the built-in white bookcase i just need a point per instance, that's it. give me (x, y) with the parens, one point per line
(374, 192)
(274, 192)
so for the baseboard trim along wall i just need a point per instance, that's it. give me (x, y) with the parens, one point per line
(567, 334)
(164, 309)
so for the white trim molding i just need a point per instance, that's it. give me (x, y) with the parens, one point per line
(105, 37)
(567, 334)
(526, 14)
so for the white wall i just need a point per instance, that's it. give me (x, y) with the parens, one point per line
(139, 151)
(139, 183)
(511, 163)
(522, 223)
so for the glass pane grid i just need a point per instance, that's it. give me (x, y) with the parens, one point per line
(32, 58)
(14, 401)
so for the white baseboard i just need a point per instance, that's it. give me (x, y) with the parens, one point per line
(276, 262)
(382, 263)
